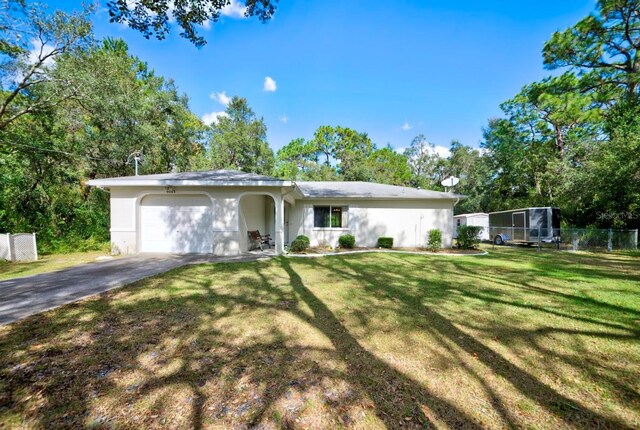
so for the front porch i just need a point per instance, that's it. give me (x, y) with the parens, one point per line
(262, 212)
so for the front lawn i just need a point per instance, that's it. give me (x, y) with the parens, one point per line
(47, 263)
(513, 339)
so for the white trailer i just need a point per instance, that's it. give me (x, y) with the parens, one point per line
(479, 219)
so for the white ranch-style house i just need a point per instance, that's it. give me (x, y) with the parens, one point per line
(212, 212)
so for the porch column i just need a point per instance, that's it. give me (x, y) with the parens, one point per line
(279, 201)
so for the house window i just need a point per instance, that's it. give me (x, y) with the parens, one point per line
(329, 216)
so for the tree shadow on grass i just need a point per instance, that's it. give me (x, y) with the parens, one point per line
(563, 265)
(568, 410)
(99, 362)
(55, 381)
(129, 357)
(376, 378)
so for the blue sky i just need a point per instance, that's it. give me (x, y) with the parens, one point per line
(393, 69)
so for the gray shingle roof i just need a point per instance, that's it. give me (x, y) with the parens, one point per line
(368, 190)
(308, 189)
(210, 177)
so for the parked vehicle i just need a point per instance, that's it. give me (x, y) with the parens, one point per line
(527, 225)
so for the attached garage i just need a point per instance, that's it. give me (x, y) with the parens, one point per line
(178, 224)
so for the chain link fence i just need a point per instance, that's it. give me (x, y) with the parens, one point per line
(568, 239)
(18, 247)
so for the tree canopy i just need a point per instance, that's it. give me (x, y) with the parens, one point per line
(78, 112)
(602, 48)
(239, 140)
(153, 18)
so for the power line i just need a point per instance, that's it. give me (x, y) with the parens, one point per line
(67, 153)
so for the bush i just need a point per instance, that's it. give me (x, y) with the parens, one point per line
(434, 241)
(468, 236)
(385, 242)
(300, 243)
(347, 241)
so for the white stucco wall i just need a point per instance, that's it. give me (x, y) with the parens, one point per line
(227, 233)
(252, 217)
(407, 221)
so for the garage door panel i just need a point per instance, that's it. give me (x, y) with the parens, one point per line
(176, 224)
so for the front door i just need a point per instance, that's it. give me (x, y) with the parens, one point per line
(519, 226)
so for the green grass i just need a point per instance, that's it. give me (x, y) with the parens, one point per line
(47, 263)
(514, 339)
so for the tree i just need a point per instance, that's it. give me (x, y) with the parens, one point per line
(123, 107)
(324, 143)
(509, 149)
(296, 160)
(602, 48)
(386, 166)
(238, 141)
(352, 150)
(120, 106)
(30, 42)
(425, 163)
(472, 169)
(334, 152)
(607, 189)
(558, 109)
(152, 18)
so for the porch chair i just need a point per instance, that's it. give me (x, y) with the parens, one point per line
(256, 240)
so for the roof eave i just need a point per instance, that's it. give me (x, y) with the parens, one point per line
(454, 197)
(185, 183)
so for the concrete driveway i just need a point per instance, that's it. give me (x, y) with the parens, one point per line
(21, 297)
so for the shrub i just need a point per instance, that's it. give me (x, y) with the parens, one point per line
(385, 242)
(468, 236)
(347, 241)
(300, 243)
(434, 241)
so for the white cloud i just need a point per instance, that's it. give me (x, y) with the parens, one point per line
(442, 151)
(283, 118)
(38, 51)
(213, 117)
(35, 54)
(220, 97)
(269, 84)
(234, 9)
(401, 149)
(406, 126)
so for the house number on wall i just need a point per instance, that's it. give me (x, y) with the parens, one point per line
(170, 190)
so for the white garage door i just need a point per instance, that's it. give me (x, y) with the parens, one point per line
(176, 223)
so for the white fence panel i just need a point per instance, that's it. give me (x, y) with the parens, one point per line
(5, 247)
(18, 247)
